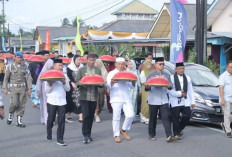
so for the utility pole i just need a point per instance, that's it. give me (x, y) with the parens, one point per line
(3, 19)
(201, 30)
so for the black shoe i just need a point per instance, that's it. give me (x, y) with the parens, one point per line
(49, 138)
(86, 140)
(8, 121)
(21, 125)
(10, 118)
(61, 143)
(19, 122)
(229, 135)
(90, 138)
(80, 121)
(223, 127)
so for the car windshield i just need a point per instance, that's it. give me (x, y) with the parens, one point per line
(202, 77)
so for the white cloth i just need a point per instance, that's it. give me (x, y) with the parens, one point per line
(73, 66)
(56, 94)
(225, 80)
(227, 115)
(143, 78)
(129, 115)
(181, 80)
(173, 94)
(40, 88)
(120, 59)
(119, 92)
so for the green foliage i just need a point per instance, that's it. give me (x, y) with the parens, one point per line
(191, 56)
(214, 67)
(26, 33)
(99, 50)
(166, 51)
(130, 52)
(52, 48)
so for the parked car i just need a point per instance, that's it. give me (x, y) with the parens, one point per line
(206, 92)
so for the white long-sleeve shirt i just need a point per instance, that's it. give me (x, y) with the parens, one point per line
(56, 94)
(119, 92)
(173, 94)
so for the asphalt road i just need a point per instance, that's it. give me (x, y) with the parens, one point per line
(198, 140)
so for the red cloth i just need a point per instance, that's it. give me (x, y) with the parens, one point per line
(110, 67)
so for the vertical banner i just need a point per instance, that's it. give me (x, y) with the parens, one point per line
(47, 41)
(78, 36)
(179, 27)
(21, 42)
(3, 45)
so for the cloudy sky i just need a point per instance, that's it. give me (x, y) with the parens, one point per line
(28, 14)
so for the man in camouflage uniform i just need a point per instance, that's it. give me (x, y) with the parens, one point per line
(19, 80)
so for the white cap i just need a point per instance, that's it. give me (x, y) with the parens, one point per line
(120, 59)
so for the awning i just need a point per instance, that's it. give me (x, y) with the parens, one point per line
(105, 35)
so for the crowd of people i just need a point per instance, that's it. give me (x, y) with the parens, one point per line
(66, 97)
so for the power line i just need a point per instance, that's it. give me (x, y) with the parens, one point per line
(103, 11)
(96, 5)
(19, 25)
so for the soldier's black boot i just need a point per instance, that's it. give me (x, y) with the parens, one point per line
(19, 122)
(10, 118)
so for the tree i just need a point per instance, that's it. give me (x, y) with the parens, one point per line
(65, 22)
(74, 22)
(26, 33)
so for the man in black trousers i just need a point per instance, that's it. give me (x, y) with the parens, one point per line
(181, 99)
(56, 101)
(88, 96)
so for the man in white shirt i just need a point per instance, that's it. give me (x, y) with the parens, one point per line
(120, 98)
(56, 101)
(181, 99)
(225, 87)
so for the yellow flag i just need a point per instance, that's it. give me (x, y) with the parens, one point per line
(21, 43)
(39, 39)
(78, 36)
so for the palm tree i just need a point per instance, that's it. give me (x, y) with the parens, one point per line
(65, 22)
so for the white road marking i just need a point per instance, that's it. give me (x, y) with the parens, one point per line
(218, 130)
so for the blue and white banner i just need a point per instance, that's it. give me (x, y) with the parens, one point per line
(179, 27)
(3, 45)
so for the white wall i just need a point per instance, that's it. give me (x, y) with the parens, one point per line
(224, 21)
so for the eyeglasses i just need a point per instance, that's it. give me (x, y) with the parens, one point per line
(161, 64)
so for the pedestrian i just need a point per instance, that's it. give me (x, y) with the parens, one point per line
(102, 91)
(225, 86)
(181, 99)
(136, 91)
(55, 54)
(158, 101)
(35, 69)
(19, 80)
(40, 87)
(88, 97)
(120, 98)
(148, 56)
(56, 100)
(73, 104)
(144, 113)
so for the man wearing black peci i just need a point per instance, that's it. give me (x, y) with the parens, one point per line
(158, 101)
(181, 99)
